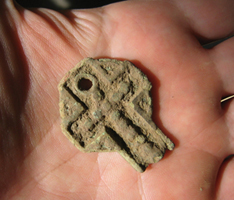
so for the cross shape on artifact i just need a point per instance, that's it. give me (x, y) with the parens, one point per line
(111, 111)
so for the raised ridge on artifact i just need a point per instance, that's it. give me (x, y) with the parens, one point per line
(105, 105)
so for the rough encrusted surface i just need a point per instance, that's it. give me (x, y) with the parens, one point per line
(105, 106)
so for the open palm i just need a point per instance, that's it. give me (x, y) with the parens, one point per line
(160, 37)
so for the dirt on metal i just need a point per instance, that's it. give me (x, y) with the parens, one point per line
(105, 106)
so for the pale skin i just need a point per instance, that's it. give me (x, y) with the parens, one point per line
(37, 47)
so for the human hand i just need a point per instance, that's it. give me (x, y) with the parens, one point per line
(163, 39)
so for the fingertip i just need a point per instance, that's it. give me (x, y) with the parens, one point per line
(225, 181)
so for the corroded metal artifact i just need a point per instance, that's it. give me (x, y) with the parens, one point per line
(105, 106)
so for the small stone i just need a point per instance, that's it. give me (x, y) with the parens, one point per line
(105, 105)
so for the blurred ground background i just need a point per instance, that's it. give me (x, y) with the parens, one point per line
(64, 4)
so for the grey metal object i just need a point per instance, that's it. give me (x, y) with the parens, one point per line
(105, 106)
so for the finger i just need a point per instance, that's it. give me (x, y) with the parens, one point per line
(225, 181)
(229, 118)
(223, 58)
(211, 19)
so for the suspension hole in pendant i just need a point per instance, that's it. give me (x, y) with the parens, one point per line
(85, 84)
